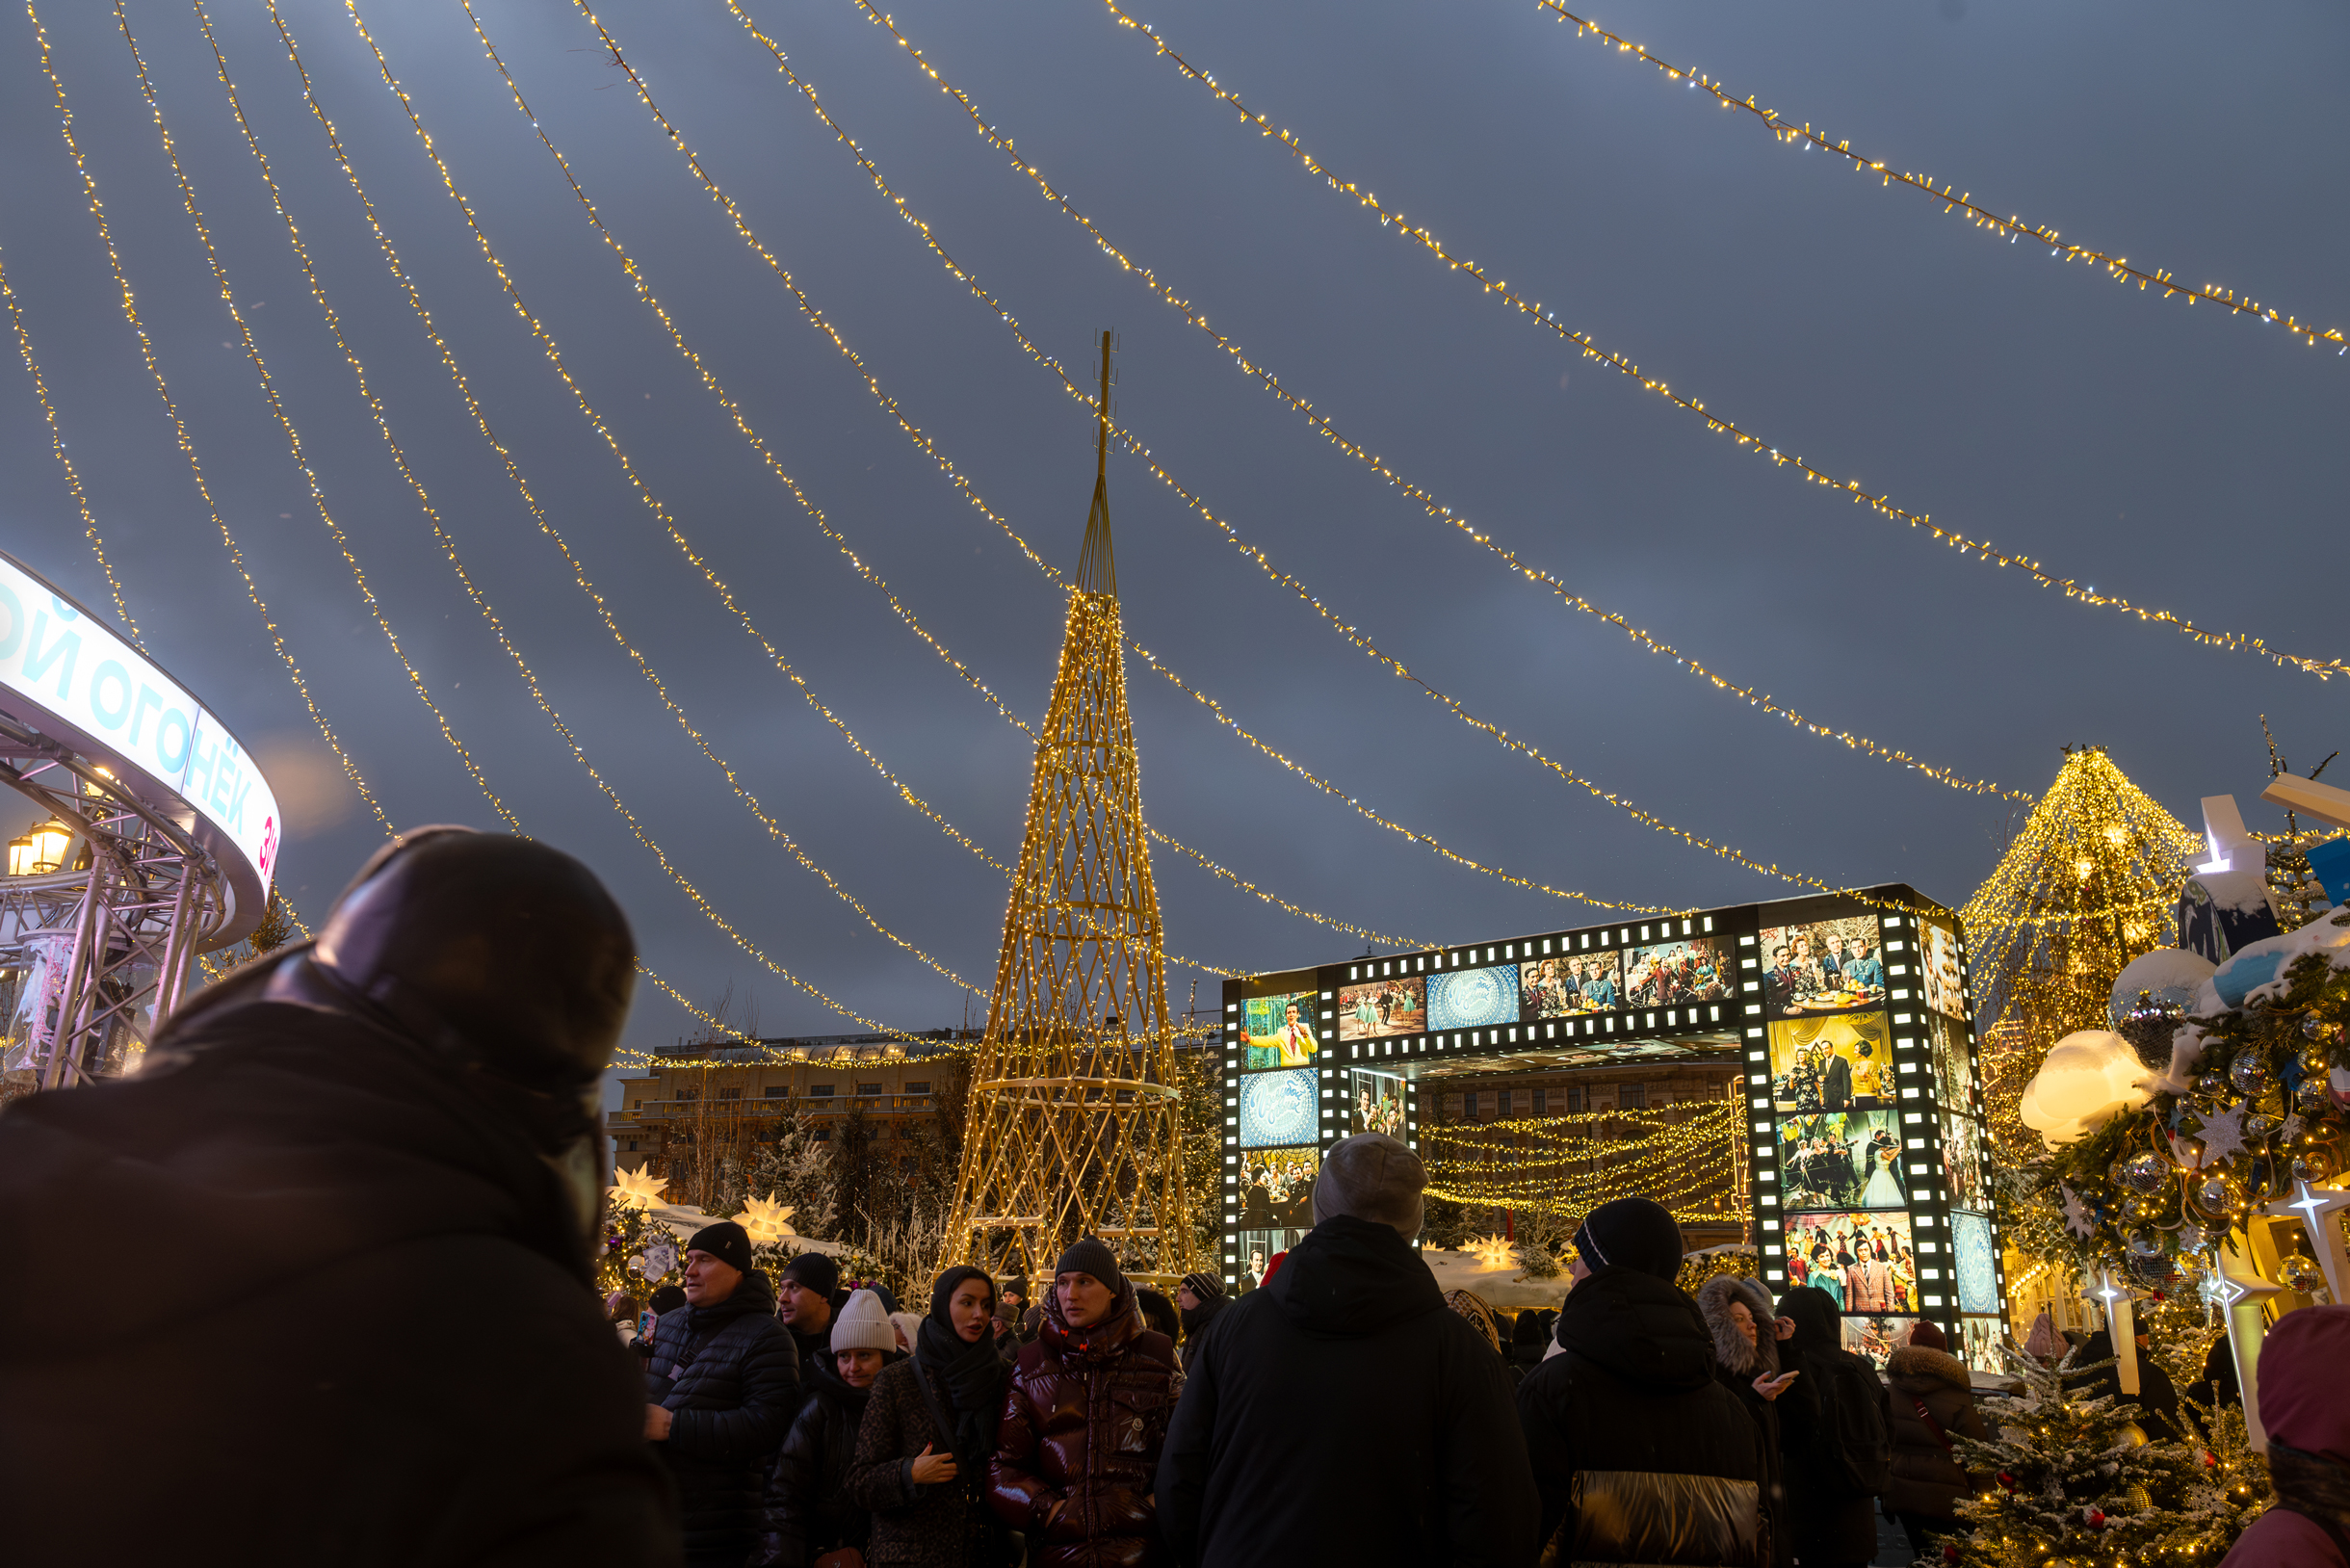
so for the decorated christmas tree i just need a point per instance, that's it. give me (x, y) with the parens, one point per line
(2073, 1479)
(2086, 885)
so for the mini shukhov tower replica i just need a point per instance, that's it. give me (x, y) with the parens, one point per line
(1073, 1127)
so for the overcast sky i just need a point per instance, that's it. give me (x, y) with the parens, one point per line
(2176, 456)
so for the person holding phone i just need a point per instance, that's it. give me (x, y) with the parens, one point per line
(1746, 1336)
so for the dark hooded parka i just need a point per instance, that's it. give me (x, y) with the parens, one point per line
(1737, 1365)
(340, 1133)
(1834, 1522)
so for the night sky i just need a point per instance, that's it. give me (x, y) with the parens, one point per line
(2177, 455)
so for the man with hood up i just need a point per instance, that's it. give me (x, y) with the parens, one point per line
(1340, 1414)
(1641, 1453)
(414, 1097)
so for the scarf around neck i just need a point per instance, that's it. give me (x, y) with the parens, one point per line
(967, 1376)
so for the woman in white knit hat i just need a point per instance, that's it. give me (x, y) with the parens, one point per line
(808, 1520)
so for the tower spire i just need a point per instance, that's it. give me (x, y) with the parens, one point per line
(1097, 570)
(1073, 1127)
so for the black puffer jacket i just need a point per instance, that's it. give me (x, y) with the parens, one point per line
(732, 1383)
(283, 1191)
(1737, 1366)
(1927, 1479)
(1341, 1415)
(1832, 1524)
(808, 1512)
(1642, 1457)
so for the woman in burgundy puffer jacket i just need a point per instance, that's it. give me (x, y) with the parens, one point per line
(1078, 1450)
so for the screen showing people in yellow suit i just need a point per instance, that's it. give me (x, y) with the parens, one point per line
(1280, 1030)
(1837, 1063)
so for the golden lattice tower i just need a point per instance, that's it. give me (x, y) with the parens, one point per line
(1073, 1127)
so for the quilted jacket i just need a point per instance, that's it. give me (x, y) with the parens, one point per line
(730, 1380)
(1084, 1421)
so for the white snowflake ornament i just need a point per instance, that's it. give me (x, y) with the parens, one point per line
(2076, 1217)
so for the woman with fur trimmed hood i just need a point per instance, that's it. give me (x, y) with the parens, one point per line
(1933, 1402)
(1746, 1335)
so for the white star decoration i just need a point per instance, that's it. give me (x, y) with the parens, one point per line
(2076, 1214)
(2316, 1207)
(637, 1189)
(764, 1219)
(1492, 1252)
(2223, 1134)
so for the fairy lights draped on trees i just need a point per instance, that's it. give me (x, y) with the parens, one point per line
(2086, 886)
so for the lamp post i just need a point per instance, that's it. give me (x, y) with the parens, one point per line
(40, 852)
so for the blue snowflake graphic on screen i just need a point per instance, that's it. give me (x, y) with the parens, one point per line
(1473, 997)
(1978, 1281)
(1277, 1109)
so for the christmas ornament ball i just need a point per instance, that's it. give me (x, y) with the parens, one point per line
(2145, 1173)
(2219, 1195)
(2144, 1243)
(2301, 1273)
(2248, 1073)
(2315, 1098)
(2211, 1085)
(2259, 1125)
(2140, 1209)
(2313, 1165)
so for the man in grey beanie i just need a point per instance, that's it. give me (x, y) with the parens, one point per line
(1351, 1336)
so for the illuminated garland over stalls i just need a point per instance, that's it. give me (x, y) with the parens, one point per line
(1569, 1166)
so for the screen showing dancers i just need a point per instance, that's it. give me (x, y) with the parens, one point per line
(1842, 1160)
(1864, 1260)
(1979, 1344)
(1388, 1007)
(1277, 1109)
(1671, 973)
(1473, 997)
(1828, 966)
(1962, 1160)
(1374, 1103)
(1939, 962)
(1277, 1189)
(1838, 1063)
(1280, 1030)
(1562, 987)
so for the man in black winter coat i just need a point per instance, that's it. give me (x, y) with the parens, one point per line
(1340, 1414)
(725, 1383)
(410, 1099)
(1641, 1455)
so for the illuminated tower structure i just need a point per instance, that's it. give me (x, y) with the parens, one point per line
(1073, 1127)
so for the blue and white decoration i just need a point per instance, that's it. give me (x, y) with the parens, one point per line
(1473, 997)
(1277, 1109)
(1979, 1277)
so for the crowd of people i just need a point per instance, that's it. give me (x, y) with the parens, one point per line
(213, 1275)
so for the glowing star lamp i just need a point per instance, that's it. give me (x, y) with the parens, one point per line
(2316, 1207)
(2240, 1291)
(637, 1189)
(2120, 1327)
(764, 1219)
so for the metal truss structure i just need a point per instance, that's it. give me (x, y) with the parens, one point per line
(90, 956)
(1074, 1127)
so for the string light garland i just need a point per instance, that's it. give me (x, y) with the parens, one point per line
(1428, 503)
(448, 545)
(1570, 1165)
(926, 443)
(227, 295)
(2011, 228)
(129, 306)
(57, 446)
(1883, 504)
(1132, 444)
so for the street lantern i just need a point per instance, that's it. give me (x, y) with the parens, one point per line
(39, 851)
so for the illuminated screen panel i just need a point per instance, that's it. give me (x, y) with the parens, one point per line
(1473, 997)
(1374, 1102)
(1840, 1063)
(1979, 1343)
(1842, 1160)
(1975, 1258)
(1877, 1336)
(1279, 1030)
(1962, 1160)
(1939, 977)
(1863, 1258)
(1566, 987)
(1822, 967)
(1277, 1109)
(1951, 1061)
(1383, 1007)
(1670, 974)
